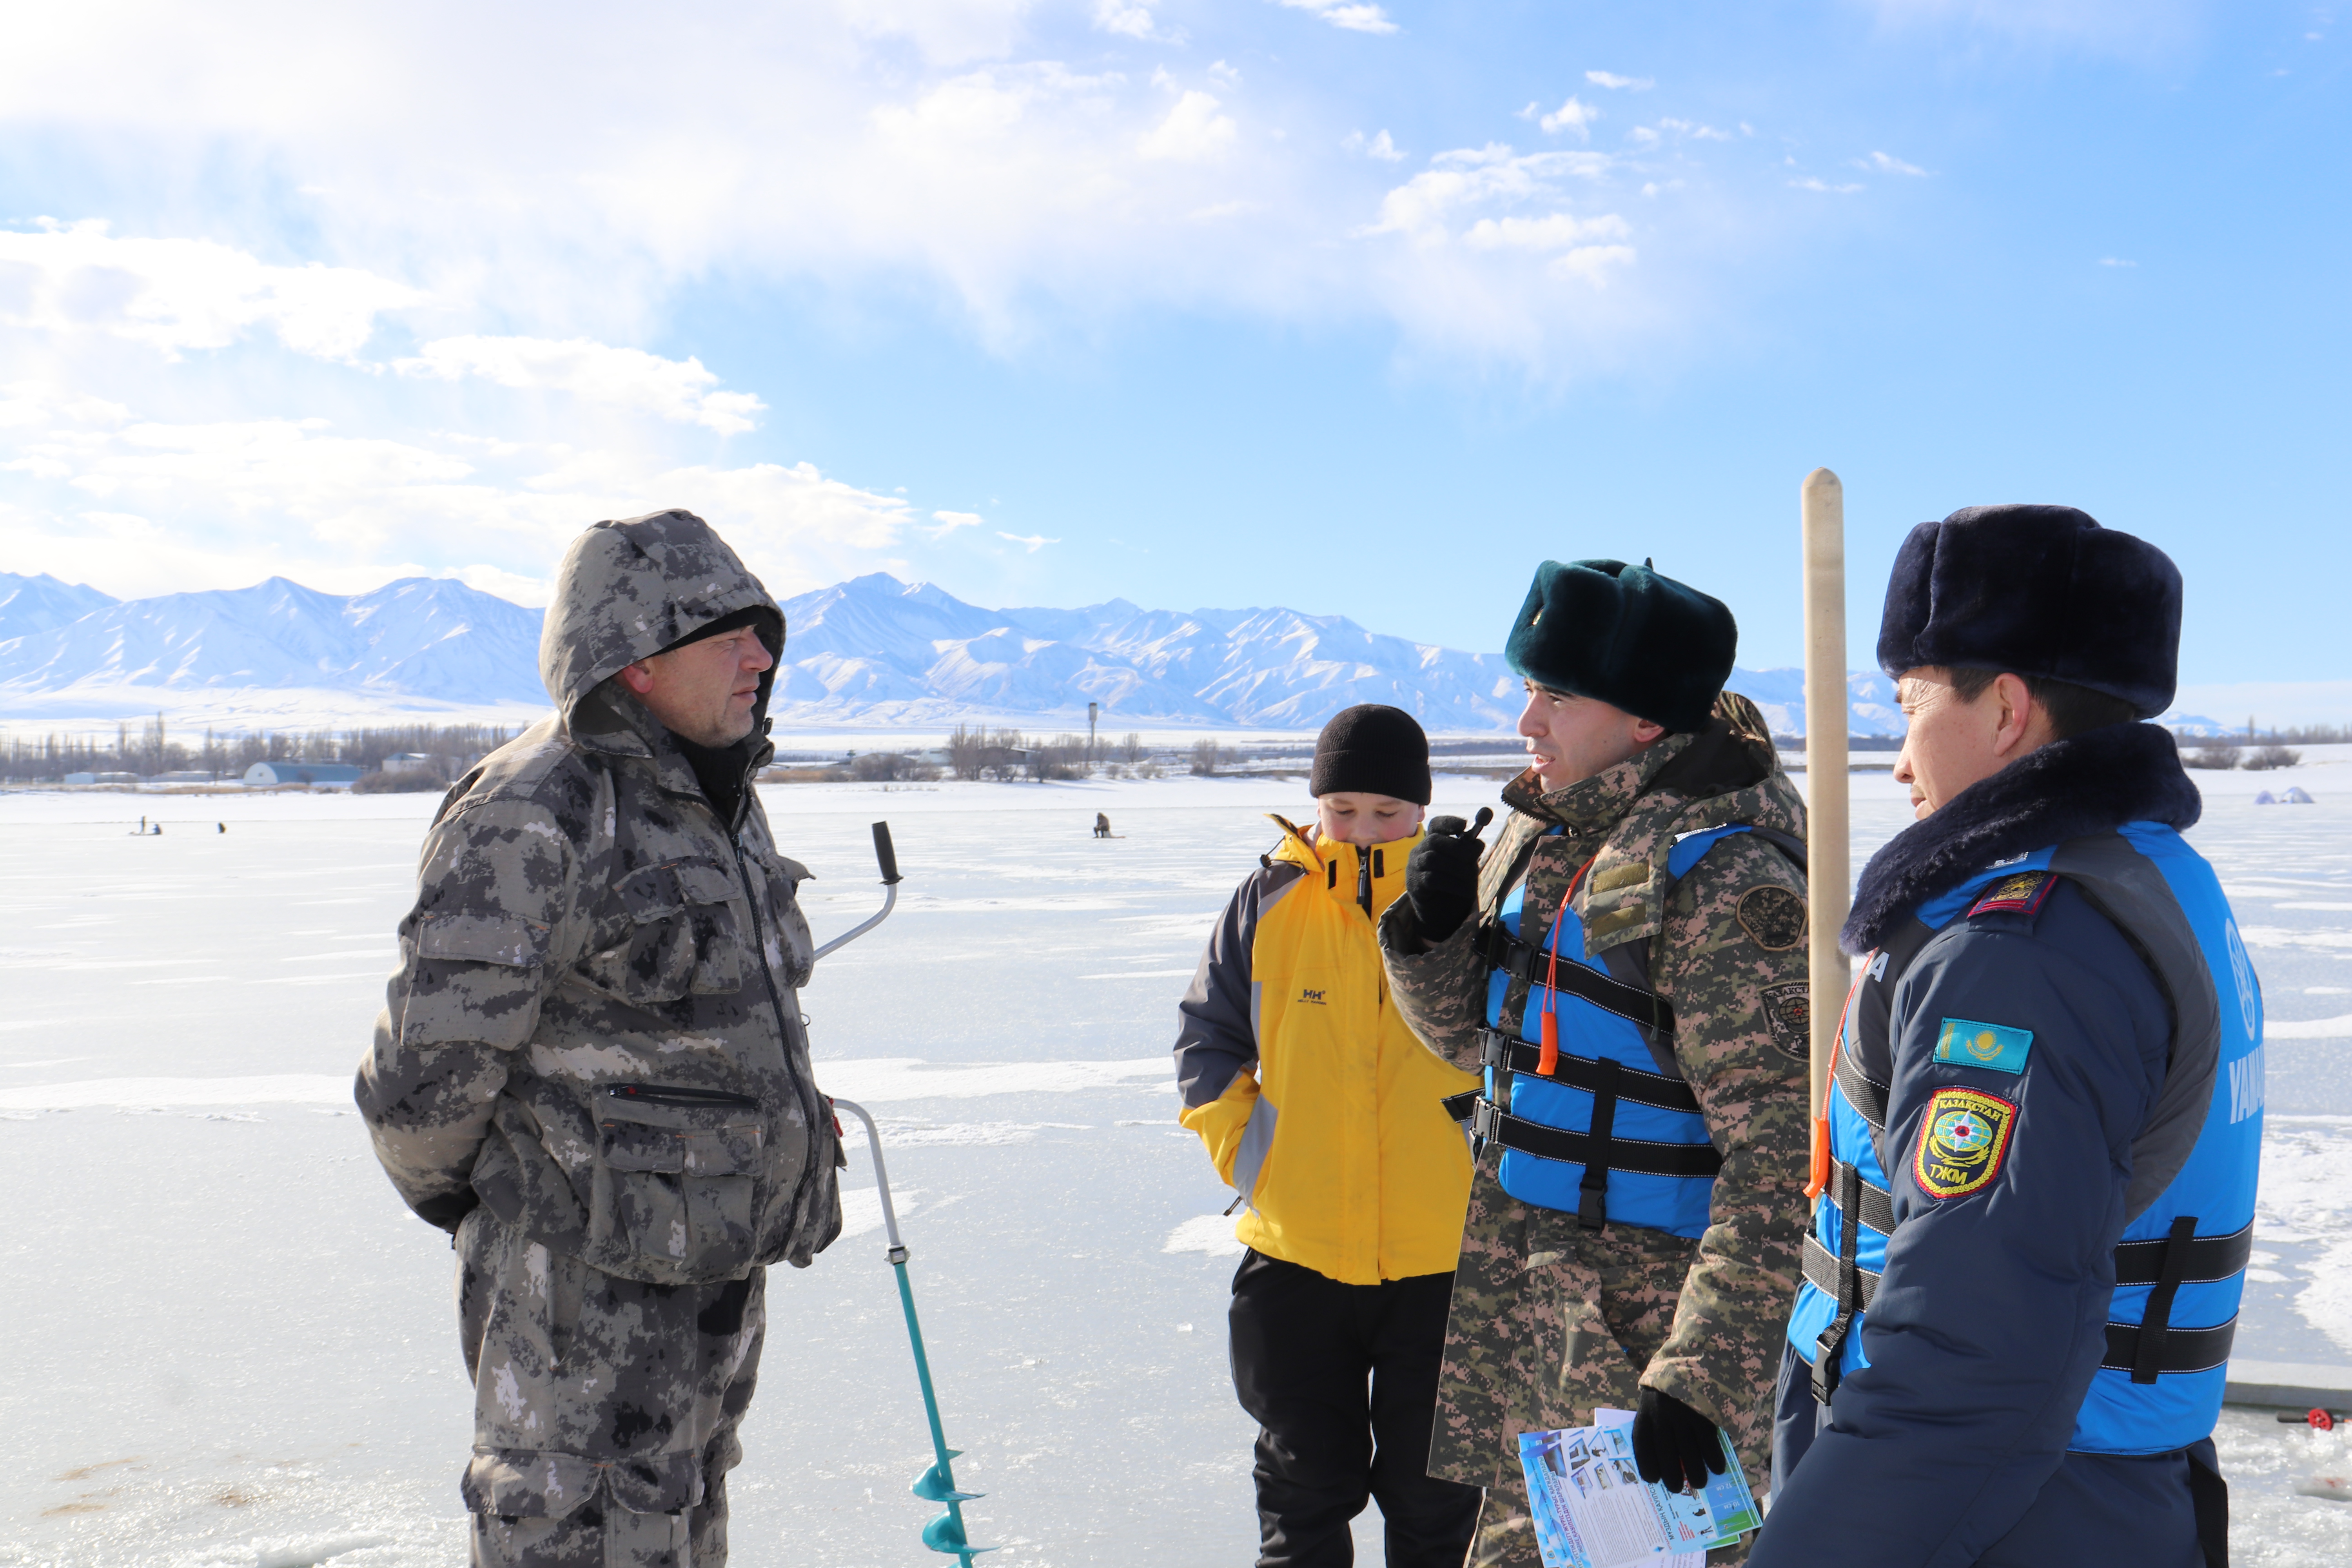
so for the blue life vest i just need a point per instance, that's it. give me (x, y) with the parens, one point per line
(2184, 1246)
(1657, 1168)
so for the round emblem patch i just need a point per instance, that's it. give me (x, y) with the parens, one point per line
(1773, 918)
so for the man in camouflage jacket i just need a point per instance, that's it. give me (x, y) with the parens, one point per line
(591, 1069)
(1550, 1319)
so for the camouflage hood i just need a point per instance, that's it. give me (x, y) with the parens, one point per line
(628, 590)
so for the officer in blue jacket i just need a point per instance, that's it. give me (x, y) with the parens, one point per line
(2036, 1179)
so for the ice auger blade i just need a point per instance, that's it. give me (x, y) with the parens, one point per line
(945, 1535)
(934, 1485)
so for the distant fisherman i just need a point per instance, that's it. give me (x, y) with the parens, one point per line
(2037, 1175)
(1102, 826)
(1333, 1124)
(1633, 984)
(592, 1066)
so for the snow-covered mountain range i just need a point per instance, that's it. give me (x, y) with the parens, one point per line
(872, 651)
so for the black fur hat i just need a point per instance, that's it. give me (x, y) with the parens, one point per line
(1627, 636)
(2037, 590)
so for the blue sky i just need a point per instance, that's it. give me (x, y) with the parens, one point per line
(1360, 309)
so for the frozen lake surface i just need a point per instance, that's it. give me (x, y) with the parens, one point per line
(233, 1348)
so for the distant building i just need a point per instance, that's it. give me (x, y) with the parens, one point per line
(296, 770)
(111, 778)
(185, 775)
(411, 762)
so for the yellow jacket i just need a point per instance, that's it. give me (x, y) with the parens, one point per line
(1297, 1071)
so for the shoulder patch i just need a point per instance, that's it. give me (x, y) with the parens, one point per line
(1773, 918)
(1789, 1011)
(1964, 1042)
(1963, 1137)
(2019, 895)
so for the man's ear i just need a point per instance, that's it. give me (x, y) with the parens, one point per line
(1645, 732)
(2016, 714)
(637, 678)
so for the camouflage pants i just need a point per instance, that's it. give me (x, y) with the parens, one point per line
(1550, 1320)
(604, 1410)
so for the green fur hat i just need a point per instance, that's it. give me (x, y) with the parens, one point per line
(1625, 636)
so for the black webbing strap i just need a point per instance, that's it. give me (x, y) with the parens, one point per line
(1821, 1269)
(2185, 1350)
(1459, 1106)
(1829, 1350)
(1866, 1095)
(2202, 1260)
(1497, 1049)
(1516, 958)
(1593, 1192)
(2209, 1494)
(1877, 1205)
(2156, 1323)
(1639, 1155)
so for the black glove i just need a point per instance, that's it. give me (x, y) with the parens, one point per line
(1441, 880)
(1674, 1444)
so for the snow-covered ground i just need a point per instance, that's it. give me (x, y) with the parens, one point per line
(231, 1346)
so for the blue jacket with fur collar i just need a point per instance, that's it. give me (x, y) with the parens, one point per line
(2055, 1040)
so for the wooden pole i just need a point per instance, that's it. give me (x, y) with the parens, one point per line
(1828, 881)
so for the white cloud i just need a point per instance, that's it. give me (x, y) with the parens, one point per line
(177, 294)
(1193, 131)
(1134, 20)
(1033, 542)
(2116, 261)
(155, 506)
(672, 389)
(39, 403)
(1616, 83)
(1693, 130)
(1573, 115)
(1554, 231)
(1421, 209)
(1380, 147)
(1347, 14)
(1810, 183)
(948, 521)
(1592, 264)
(1886, 163)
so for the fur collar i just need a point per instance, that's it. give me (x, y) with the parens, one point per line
(2092, 782)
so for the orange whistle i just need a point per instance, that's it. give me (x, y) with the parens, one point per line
(1548, 1054)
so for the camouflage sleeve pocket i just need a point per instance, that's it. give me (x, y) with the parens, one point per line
(473, 978)
(681, 939)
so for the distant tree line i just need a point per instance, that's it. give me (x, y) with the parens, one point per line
(152, 747)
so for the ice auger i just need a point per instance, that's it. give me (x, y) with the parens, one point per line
(937, 1483)
(944, 1534)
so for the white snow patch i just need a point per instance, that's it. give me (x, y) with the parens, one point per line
(1186, 973)
(876, 1078)
(144, 1093)
(1209, 1233)
(861, 1208)
(2335, 1028)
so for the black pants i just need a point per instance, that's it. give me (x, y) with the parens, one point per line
(1304, 1348)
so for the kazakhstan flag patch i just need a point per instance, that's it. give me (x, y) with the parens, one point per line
(1965, 1043)
(1961, 1140)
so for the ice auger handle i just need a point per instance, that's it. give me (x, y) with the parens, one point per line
(886, 856)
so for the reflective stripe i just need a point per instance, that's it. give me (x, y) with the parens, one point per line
(1257, 1138)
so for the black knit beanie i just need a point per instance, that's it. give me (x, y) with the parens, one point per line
(1373, 750)
(769, 625)
(1625, 636)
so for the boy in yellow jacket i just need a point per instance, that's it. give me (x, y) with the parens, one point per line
(1332, 1121)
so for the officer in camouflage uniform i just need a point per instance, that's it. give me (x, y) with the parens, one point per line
(1650, 1290)
(591, 1069)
